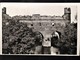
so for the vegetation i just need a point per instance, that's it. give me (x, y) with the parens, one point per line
(69, 40)
(67, 44)
(19, 39)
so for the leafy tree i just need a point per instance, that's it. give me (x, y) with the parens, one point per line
(69, 40)
(19, 38)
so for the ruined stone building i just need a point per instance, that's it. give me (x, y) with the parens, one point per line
(42, 23)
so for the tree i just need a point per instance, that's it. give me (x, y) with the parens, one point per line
(19, 38)
(69, 40)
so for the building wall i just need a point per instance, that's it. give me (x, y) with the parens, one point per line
(46, 27)
(44, 24)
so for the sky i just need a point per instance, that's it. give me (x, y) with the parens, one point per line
(38, 8)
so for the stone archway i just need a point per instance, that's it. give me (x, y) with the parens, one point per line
(48, 43)
(47, 47)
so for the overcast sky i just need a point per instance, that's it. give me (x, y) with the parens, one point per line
(37, 8)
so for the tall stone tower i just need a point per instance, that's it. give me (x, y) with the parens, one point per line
(4, 10)
(67, 13)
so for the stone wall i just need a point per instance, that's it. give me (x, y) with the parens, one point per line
(46, 27)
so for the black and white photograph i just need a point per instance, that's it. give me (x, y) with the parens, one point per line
(39, 29)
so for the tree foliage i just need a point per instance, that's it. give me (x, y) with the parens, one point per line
(69, 39)
(67, 44)
(19, 39)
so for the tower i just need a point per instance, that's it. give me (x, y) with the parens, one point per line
(67, 13)
(4, 10)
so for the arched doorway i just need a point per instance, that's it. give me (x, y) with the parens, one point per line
(55, 42)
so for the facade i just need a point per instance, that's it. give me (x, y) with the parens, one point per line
(44, 24)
